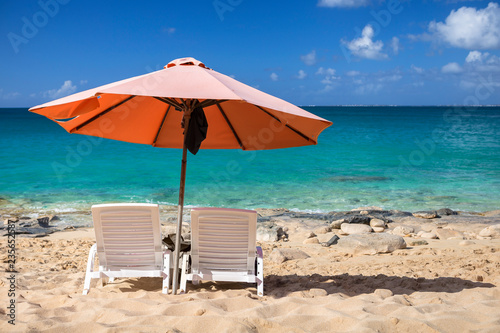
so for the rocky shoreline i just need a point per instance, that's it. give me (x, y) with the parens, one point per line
(372, 230)
(281, 224)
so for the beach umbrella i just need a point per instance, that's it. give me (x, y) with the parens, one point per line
(189, 106)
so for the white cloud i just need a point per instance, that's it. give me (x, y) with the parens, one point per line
(370, 88)
(483, 86)
(365, 47)
(10, 95)
(482, 62)
(66, 89)
(492, 60)
(353, 73)
(470, 28)
(327, 88)
(391, 78)
(328, 71)
(375, 82)
(302, 75)
(476, 56)
(343, 3)
(309, 59)
(416, 69)
(452, 68)
(329, 75)
(83, 82)
(479, 71)
(274, 76)
(395, 45)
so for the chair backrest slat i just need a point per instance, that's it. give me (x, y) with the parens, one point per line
(223, 239)
(128, 235)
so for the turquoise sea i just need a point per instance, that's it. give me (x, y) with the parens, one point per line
(408, 158)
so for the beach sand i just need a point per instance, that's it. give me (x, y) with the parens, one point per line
(444, 286)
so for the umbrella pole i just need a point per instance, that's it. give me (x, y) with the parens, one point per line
(187, 116)
(179, 220)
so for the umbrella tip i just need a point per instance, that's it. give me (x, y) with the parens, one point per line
(188, 61)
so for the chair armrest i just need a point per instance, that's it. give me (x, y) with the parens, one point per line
(259, 252)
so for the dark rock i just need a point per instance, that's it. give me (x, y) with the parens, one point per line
(28, 223)
(331, 242)
(446, 212)
(350, 216)
(44, 221)
(396, 214)
(315, 216)
(384, 215)
(40, 232)
(33, 228)
(386, 219)
(358, 219)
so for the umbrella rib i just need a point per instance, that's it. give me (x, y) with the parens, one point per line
(230, 125)
(184, 104)
(286, 125)
(175, 104)
(111, 108)
(161, 125)
(169, 102)
(210, 102)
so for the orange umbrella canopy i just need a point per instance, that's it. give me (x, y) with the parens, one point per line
(148, 109)
(156, 108)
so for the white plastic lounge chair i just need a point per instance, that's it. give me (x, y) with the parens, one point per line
(223, 248)
(128, 244)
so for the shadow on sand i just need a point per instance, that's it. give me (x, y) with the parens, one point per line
(349, 285)
(352, 285)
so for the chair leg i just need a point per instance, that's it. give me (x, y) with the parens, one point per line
(90, 269)
(184, 270)
(166, 272)
(260, 271)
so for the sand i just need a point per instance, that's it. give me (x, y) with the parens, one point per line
(444, 286)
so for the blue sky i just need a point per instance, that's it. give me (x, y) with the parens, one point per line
(318, 52)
